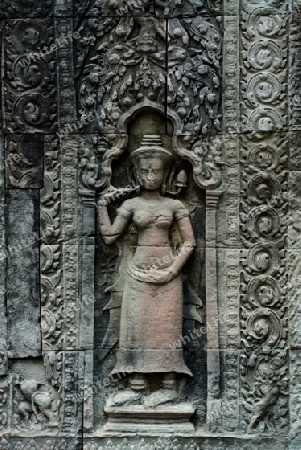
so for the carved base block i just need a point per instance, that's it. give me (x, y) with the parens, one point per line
(138, 418)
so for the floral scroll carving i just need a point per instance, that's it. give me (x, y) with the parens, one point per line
(121, 64)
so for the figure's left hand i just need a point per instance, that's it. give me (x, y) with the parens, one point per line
(161, 276)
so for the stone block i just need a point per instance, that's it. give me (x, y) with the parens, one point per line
(23, 276)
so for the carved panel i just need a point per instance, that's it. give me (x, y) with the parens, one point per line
(231, 114)
(29, 76)
(118, 8)
(44, 443)
(263, 284)
(110, 264)
(263, 218)
(22, 281)
(193, 88)
(264, 70)
(295, 68)
(5, 416)
(295, 380)
(121, 64)
(70, 248)
(118, 66)
(187, 8)
(72, 392)
(14, 9)
(293, 268)
(36, 402)
(52, 308)
(84, 83)
(3, 270)
(66, 94)
(24, 161)
(50, 209)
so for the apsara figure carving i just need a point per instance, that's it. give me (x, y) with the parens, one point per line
(151, 311)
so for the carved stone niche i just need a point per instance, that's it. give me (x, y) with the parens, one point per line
(156, 365)
(36, 402)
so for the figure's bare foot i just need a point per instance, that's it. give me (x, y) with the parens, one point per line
(126, 397)
(161, 397)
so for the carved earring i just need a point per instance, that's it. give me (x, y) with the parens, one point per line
(163, 186)
(138, 187)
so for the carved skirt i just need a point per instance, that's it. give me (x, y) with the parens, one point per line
(151, 328)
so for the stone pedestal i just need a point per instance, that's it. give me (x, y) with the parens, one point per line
(138, 418)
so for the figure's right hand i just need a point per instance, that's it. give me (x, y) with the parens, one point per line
(114, 194)
(102, 202)
(107, 198)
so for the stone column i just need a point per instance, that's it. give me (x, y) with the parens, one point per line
(213, 359)
(87, 298)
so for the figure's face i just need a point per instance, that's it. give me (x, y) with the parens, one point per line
(151, 173)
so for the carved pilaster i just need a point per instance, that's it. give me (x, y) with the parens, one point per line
(66, 92)
(229, 308)
(294, 232)
(295, 68)
(263, 213)
(52, 309)
(212, 316)
(86, 191)
(4, 377)
(72, 392)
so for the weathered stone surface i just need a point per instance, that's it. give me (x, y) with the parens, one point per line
(157, 304)
(30, 75)
(23, 278)
(20, 10)
(24, 161)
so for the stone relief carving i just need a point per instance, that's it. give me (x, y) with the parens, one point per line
(202, 156)
(263, 218)
(36, 402)
(28, 8)
(24, 158)
(43, 444)
(179, 59)
(121, 71)
(153, 273)
(166, 444)
(264, 292)
(121, 63)
(30, 77)
(52, 311)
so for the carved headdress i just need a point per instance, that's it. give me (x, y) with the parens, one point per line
(151, 147)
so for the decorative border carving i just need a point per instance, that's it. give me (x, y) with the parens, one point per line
(264, 331)
(295, 68)
(263, 212)
(29, 81)
(52, 311)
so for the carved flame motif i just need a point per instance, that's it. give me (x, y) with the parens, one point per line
(127, 61)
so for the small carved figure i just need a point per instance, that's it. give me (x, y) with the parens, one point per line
(151, 312)
(267, 392)
(39, 398)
